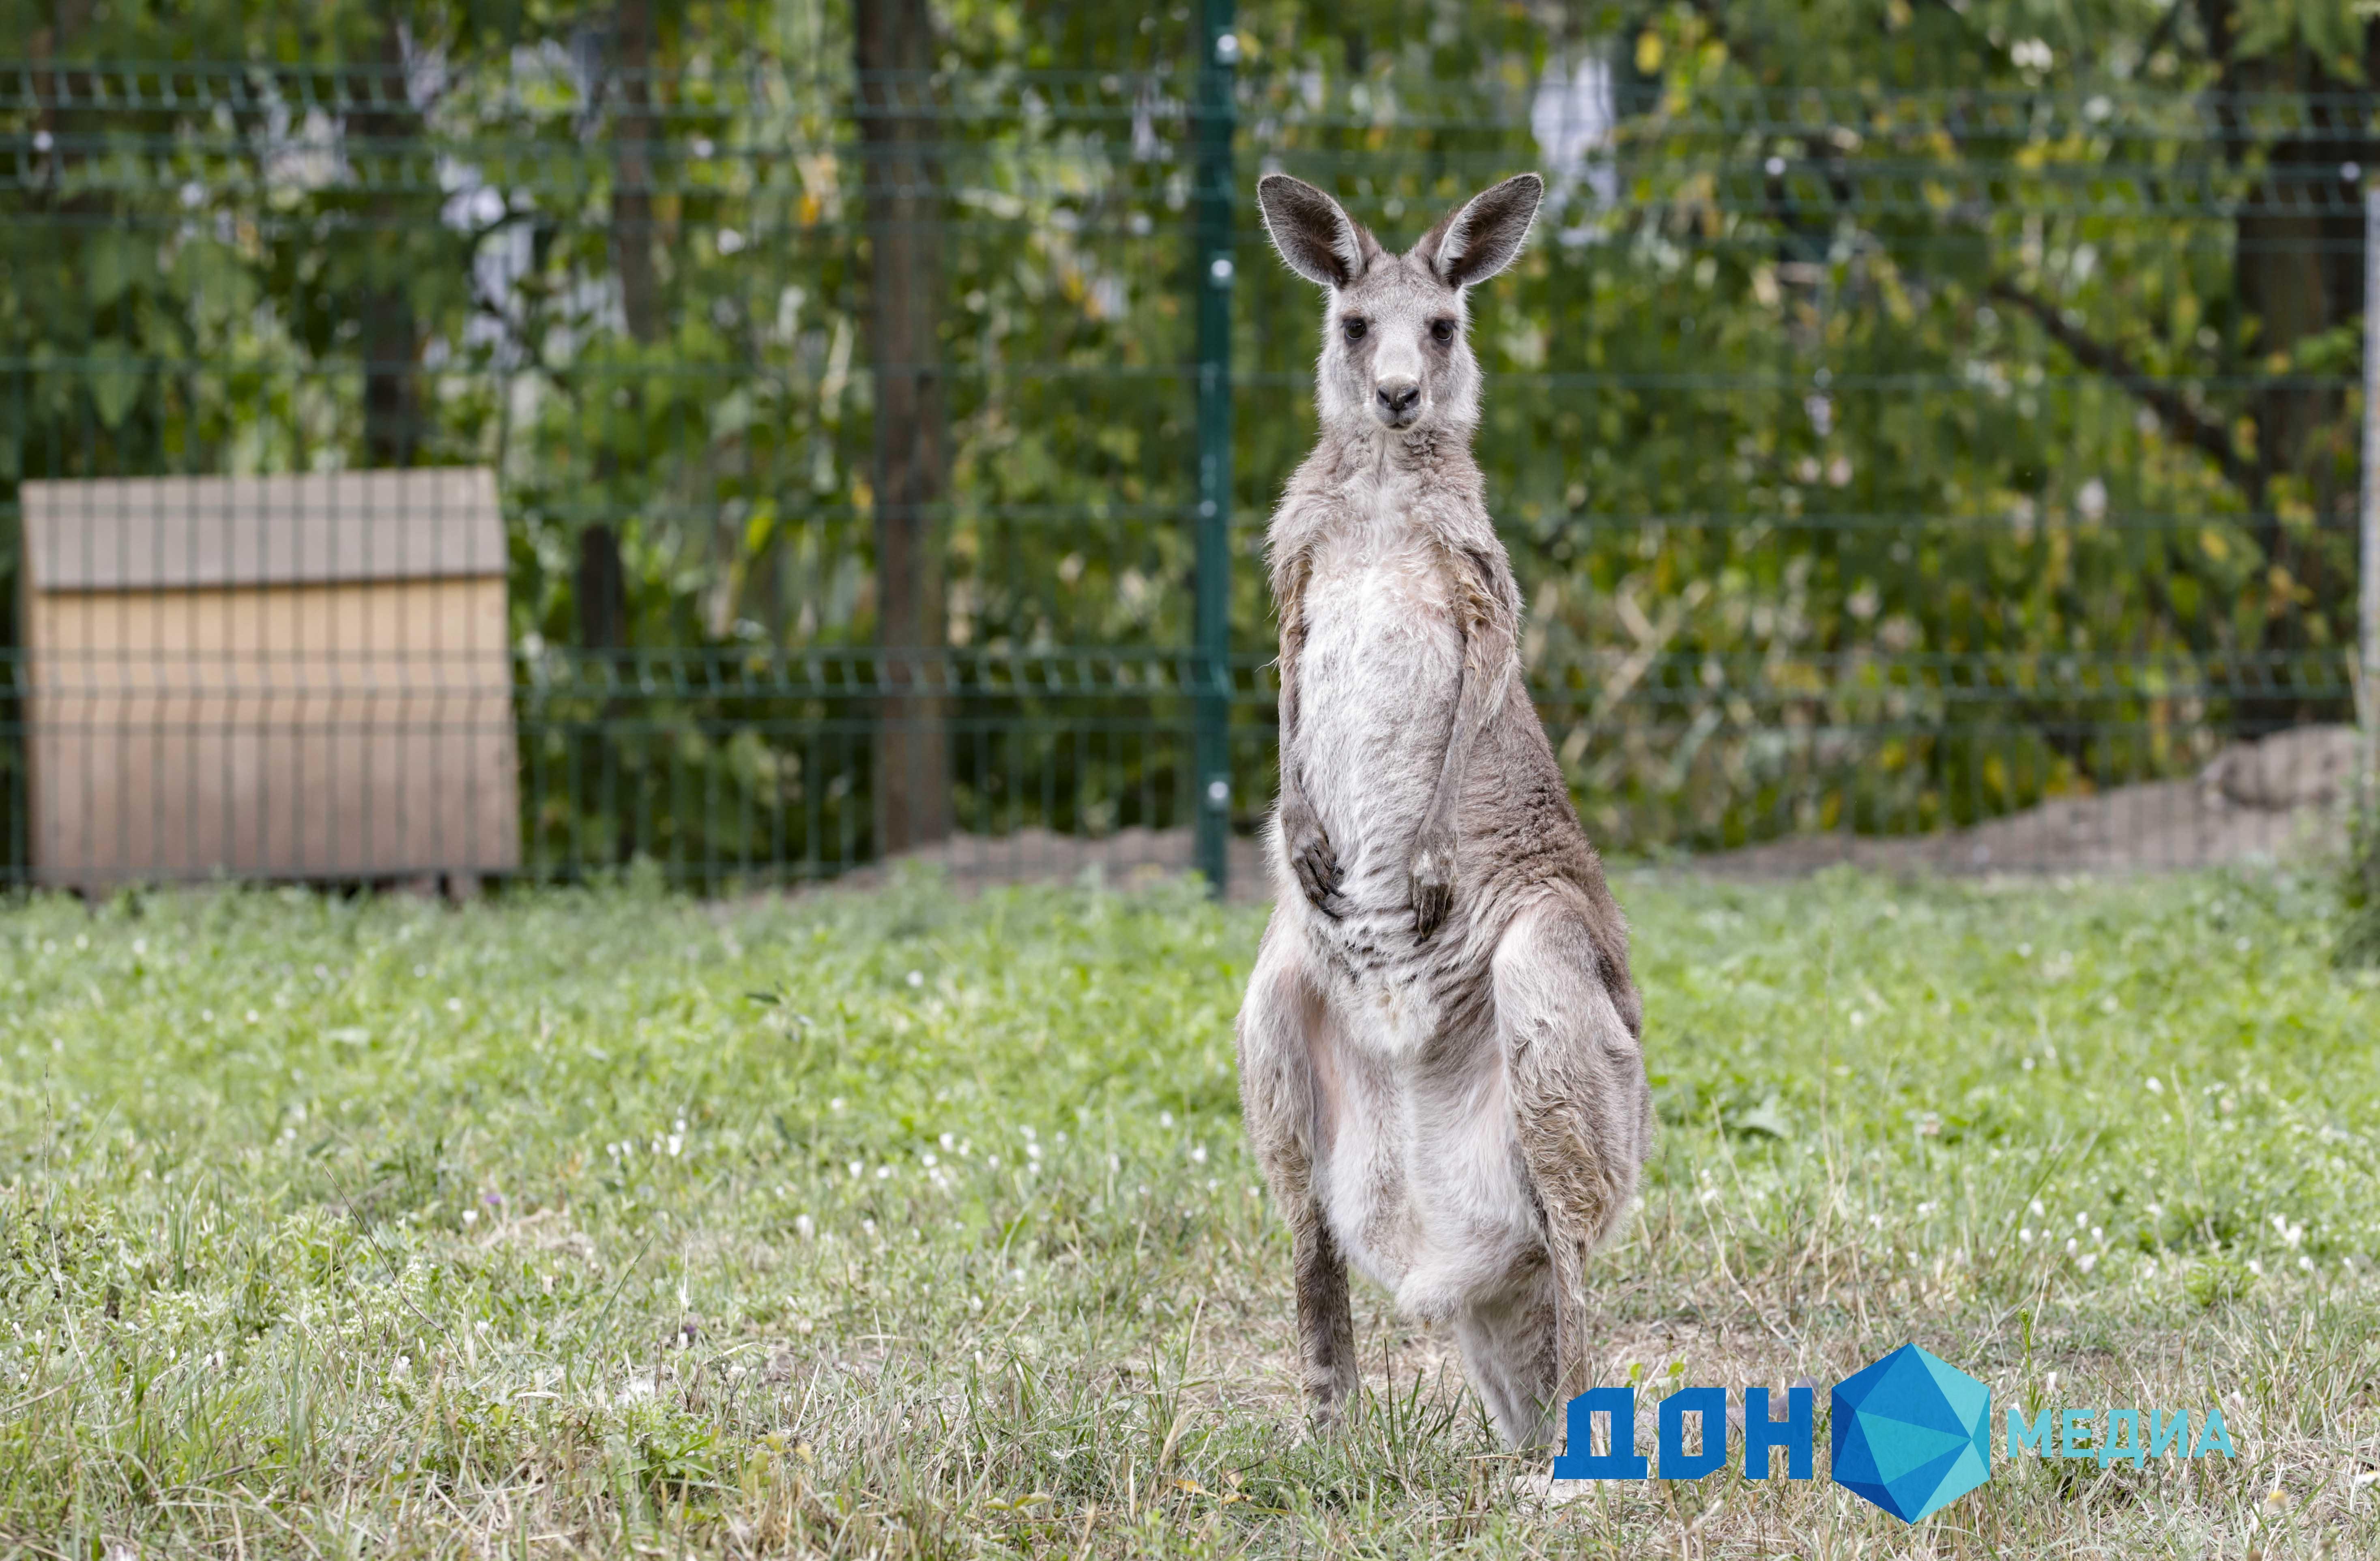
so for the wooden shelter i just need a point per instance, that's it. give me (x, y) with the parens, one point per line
(293, 678)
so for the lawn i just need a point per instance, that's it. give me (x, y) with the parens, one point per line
(912, 1224)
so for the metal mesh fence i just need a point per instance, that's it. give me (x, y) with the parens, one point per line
(1946, 477)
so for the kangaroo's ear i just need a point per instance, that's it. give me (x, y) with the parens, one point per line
(1479, 237)
(1317, 237)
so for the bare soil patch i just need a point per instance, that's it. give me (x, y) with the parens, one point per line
(2281, 799)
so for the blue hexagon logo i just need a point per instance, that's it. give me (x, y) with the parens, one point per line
(1911, 1432)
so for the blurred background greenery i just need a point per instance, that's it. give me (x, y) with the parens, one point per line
(1908, 411)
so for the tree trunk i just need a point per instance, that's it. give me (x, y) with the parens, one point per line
(2297, 265)
(601, 587)
(392, 336)
(894, 50)
(601, 580)
(632, 171)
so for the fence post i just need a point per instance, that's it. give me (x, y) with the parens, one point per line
(1210, 764)
(2367, 682)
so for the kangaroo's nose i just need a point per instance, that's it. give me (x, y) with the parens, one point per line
(1398, 397)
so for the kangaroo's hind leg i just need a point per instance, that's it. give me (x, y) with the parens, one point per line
(1289, 1114)
(1582, 1112)
(1507, 1340)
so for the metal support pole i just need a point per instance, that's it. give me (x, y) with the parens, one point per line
(2367, 682)
(1210, 763)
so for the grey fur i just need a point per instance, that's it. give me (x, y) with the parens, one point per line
(1440, 1059)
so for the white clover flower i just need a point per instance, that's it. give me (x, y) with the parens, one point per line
(917, 978)
(1165, 1119)
(804, 1226)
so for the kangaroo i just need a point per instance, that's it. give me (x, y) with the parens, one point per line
(1438, 1049)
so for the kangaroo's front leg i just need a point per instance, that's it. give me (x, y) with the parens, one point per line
(1290, 1118)
(1490, 656)
(1311, 856)
(1320, 874)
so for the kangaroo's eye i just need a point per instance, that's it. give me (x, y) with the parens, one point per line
(1354, 328)
(1441, 331)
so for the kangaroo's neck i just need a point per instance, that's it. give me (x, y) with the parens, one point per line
(1363, 451)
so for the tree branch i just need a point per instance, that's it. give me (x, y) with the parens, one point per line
(2206, 434)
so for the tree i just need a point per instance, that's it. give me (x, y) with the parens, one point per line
(893, 49)
(387, 130)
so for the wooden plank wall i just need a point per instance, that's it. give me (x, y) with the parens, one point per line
(286, 729)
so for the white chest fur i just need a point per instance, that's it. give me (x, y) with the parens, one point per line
(1377, 681)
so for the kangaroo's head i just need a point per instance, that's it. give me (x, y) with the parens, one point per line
(1396, 348)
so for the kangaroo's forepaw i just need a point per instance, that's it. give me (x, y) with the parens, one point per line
(1317, 865)
(1431, 885)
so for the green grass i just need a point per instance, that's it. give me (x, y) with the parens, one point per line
(918, 1225)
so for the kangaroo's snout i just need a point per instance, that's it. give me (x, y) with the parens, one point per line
(1397, 401)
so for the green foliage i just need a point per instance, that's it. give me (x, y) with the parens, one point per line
(1904, 414)
(2359, 894)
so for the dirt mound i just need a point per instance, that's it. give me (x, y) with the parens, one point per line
(1041, 856)
(2281, 799)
